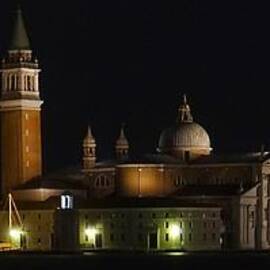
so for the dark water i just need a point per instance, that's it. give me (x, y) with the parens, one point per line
(125, 260)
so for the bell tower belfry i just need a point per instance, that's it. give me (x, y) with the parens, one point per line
(20, 107)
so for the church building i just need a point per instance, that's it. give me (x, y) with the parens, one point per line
(183, 197)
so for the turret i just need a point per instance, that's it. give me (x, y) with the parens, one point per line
(121, 145)
(89, 151)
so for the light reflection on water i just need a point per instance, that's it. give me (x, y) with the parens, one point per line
(176, 253)
(168, 253)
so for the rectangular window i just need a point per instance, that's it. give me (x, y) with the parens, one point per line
(181, 237)
(86, 238)
(39, 241)
(213, 236)
(112, 237)
(140, 215)
(166, 224)
(204, 236)
(166, 237)
(112, 225)
(190, 224)
(190, 237)
(123, 237)
(86, 216)
(39, 216)
(205, 225)
(166, 215)
(181, 224)
(153, 215)
(214, 224)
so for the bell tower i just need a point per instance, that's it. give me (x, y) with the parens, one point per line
(121, 146)
(89, 151)
(20, 107)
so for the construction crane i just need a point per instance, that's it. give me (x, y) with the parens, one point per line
(15, 227)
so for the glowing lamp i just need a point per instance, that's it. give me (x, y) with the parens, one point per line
(90, 232)
(175, 230)
(15, 233)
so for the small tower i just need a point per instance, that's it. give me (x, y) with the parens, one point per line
(20, 107)
(121, 145)
(89, 151)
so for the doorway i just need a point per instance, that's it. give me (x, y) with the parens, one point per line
(152, 243)
(98, 240)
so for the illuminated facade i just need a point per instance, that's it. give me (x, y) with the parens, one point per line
(183, 197)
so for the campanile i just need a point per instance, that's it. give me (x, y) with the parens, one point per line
(20, 105)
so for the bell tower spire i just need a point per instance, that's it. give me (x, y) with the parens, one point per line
(89, 151)
(121, 146)
(20, 107)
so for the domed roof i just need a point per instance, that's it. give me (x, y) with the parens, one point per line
(185, 135)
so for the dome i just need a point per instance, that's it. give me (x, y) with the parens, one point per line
(185, 137)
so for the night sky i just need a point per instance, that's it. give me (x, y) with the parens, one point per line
(107, 62)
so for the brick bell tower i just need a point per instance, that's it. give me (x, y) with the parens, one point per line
(20, 107)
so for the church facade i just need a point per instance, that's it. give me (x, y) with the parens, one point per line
(183, 197)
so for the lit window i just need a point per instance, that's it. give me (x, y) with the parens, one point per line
(26, 132)
(66, 201)
(26, 116)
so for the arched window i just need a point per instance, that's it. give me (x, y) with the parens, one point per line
(102, 181)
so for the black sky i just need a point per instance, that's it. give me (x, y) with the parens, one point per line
(105, 62)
